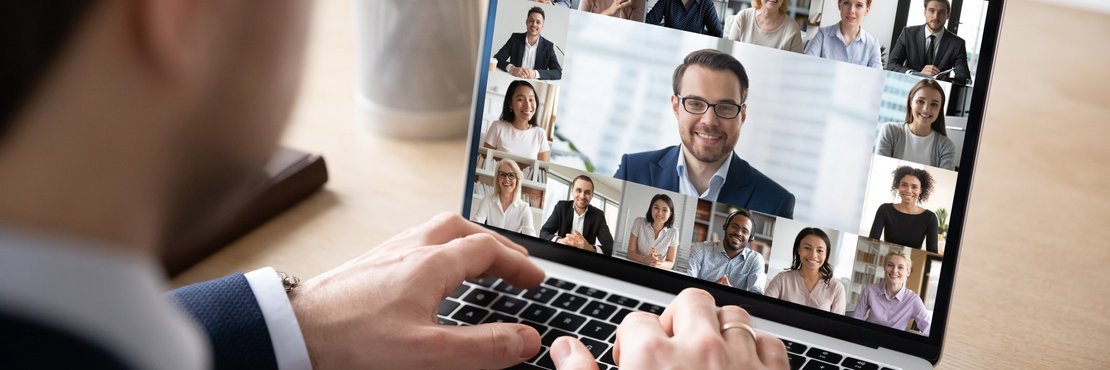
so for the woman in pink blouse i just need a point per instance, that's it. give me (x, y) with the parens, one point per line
(809, 280)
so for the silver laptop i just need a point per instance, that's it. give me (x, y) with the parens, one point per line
(821, 186)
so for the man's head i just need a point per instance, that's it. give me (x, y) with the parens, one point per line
(582, 192)
(170, 110)
(710, 77)
(534, 22)
(937, 13)
(738, 230)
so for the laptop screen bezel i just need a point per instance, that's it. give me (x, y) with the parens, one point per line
(824, 323)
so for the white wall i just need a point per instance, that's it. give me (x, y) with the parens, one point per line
(878, 189)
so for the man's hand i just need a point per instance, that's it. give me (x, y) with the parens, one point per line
(379, 310)
(723, 281)
(688, 335)
(930, 70)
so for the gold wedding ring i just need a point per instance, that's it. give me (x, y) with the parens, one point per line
(738, 325)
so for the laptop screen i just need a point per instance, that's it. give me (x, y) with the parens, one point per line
(813, 154)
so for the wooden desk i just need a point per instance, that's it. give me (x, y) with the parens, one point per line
(1032, 287)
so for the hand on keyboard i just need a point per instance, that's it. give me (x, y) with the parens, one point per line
(379, 310)
(691, 333)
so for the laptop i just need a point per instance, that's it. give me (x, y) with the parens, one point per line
(834, 214)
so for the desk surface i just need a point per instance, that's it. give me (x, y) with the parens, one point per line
(1031, 291)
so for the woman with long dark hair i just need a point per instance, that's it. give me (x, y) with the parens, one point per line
(517, 132)
(809, 280)
(923, 137)
(654, 239)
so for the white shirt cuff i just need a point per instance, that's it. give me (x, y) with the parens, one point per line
(285, 334)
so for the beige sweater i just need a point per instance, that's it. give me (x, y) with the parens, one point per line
(744, 29)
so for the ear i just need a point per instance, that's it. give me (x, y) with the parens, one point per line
(166, 35)
(675, 105)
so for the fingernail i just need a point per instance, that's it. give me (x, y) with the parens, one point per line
(560, 350)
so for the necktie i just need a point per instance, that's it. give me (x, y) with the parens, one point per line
(932, 50)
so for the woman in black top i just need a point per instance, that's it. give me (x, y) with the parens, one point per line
(906, 222)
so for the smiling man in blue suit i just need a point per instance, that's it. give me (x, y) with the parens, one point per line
(710, 90)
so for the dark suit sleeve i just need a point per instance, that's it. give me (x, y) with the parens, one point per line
(712, 21)
(228, 311)
(786, 208)
(620, 168)
(604, 237)
(963, 74)
(655, 15)
(898, 53)
(551, 227)
(504, 54)
(551, 69)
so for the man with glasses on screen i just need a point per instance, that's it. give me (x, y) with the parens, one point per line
(705, 165)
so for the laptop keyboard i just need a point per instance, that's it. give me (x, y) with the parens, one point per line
(561, 308)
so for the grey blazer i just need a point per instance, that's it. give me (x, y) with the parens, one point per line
(892, 143)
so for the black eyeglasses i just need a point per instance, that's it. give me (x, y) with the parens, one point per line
(700, 106)
(506, 175)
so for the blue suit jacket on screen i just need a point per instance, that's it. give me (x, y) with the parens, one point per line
(547, 65)
(744, 187)
(226, 308)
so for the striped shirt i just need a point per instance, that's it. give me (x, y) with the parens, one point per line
(700, 16)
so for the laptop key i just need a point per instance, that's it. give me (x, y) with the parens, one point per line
(569, 302)
(500, 317)
(561, 284)
(552, 334)
(447, 306)
(819, 365)
(540, 328)
(607, 357)
(444, 321)
(480, 297)
(855, 364)
(648, 307)
(459, 290)
(567, 321)
(590, 292)
(623, 301)
(824, 355)
(538, 313)
(596, 348)
(470, 315)
(509, 305)
(598, 330)
(507, 288)
(545, 361)
(525, 366)
(541, 294)
(599, 310)
(616, 319)
(794, 347)
(542, 351)
(796, 361)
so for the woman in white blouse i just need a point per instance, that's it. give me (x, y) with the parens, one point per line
(504, 208)
(654, 239)
(809, 280)
(517, 132)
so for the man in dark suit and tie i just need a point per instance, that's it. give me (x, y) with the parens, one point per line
(710, 90)
(529, 55)
(578, 224)
(930, 48)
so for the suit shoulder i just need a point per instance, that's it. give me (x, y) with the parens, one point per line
(648, 156)
(768, 186)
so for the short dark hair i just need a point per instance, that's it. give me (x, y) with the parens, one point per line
(507, 107)
(825, 269)
(35, 33)
(923, 176)
(670, 204)
(741, 212)
(938, 124)
(947, 5)
(536, 9)
(583, 178)
(714, 60)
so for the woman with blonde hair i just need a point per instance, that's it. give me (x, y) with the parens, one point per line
(889, 303)
(504, 208)
(766, 24)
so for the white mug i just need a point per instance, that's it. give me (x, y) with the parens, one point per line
(417, 62)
